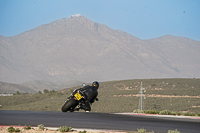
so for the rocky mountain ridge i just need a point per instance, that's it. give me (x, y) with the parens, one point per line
(76, 48)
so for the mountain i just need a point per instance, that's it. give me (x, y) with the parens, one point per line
(13, 88)
(35, 86)
(77, 49)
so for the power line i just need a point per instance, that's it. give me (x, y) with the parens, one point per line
(141, 101)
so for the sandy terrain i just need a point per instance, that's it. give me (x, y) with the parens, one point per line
(36, 130)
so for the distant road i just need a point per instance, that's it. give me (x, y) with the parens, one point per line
(98, 121)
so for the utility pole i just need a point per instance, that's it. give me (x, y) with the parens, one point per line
(141, 104)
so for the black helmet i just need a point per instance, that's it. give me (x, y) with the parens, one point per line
(96, 84)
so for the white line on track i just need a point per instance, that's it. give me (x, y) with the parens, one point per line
(157, 115)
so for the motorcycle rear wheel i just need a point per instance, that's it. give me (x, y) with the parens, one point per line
(67, 106)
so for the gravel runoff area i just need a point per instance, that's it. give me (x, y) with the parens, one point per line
(4, 129)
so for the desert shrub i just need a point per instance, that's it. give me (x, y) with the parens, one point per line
(173, 113)
(191, 114)
(188, 114)
(82, 131)
(46, 91)
(39, 92)
(27, 127)
(12, 129)
(41, 126)
(17, 93)
(165, 112)
(131, 132)
(173, 131)
(151, 112)
(142, 130)
(138, 111)
(64, 129)
(179, 113)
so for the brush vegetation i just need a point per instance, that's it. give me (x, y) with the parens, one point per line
(12, 129)
(174, 95)
(64, 129)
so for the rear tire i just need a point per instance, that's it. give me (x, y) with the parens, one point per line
(67, 106)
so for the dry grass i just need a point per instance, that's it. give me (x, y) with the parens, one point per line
(119, 96)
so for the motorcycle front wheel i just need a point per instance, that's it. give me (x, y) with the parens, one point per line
(66, 107)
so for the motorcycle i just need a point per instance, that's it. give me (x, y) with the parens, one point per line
(74, 102)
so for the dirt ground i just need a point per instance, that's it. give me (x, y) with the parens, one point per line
(36, 130)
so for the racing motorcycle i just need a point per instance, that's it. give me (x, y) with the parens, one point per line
(74, 102)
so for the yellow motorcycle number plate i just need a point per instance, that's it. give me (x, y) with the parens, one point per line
(78, 96)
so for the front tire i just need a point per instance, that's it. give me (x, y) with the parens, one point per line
(66, 107)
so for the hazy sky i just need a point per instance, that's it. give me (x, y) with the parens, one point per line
(144, 19)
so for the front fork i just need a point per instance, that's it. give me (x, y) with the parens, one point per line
(68, 98)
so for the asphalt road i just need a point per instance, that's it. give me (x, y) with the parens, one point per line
(98, 121)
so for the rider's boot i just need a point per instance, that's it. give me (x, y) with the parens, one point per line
(77, 108)
(83, 106)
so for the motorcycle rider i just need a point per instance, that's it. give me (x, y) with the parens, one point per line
(90, 93)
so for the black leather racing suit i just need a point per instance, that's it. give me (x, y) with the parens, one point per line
(91, 94)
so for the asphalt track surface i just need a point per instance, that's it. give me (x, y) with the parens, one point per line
(102, 121)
